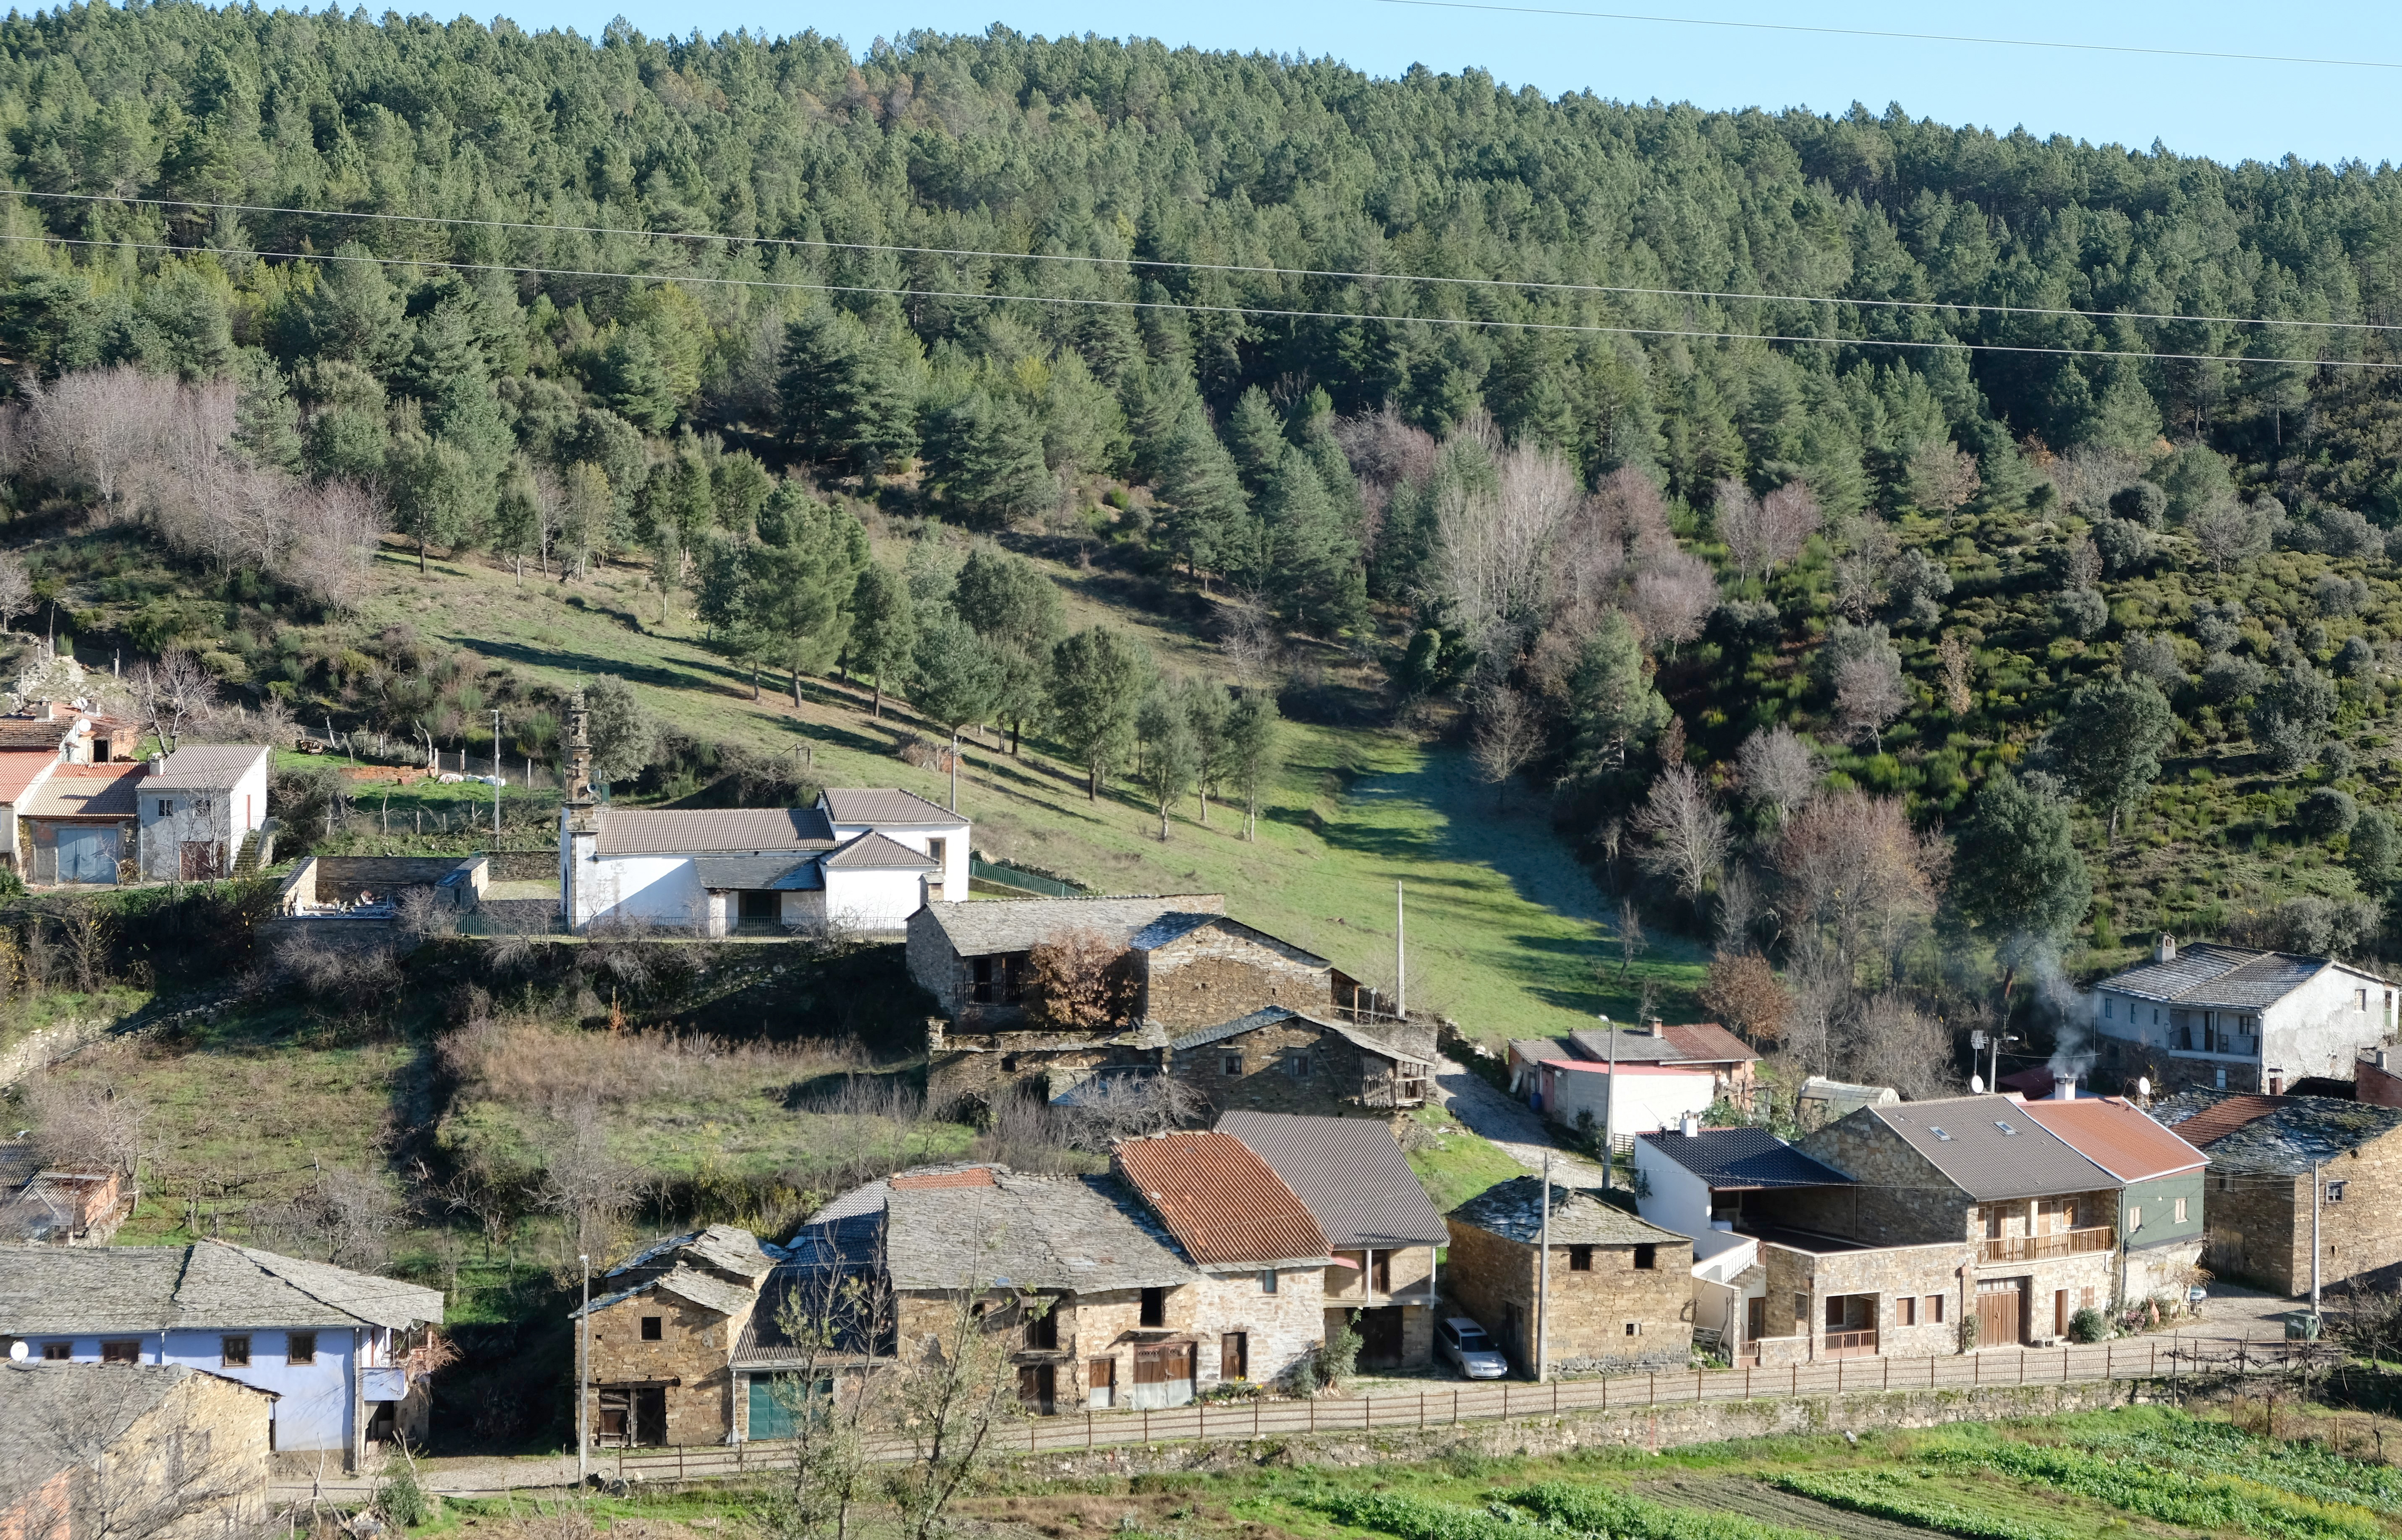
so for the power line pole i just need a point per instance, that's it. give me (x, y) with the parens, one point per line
(2317, 1187)
(497, 777)
(583, 1378)
(1609, 1112)
(1543, 1283)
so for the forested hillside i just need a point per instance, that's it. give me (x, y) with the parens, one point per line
(2020, 575)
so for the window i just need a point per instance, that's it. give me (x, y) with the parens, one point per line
(2335, 1192)
(1042, 1330)
(120, 1352)
(234, 1352)
(1154, 1307)
(166, 808)
(300, 1347)
(935, 849)
(1230, 1066)
(2135, 1217)
(1935, 1310)
(1268, 1281)
(1939, 1134)
(1801, 1312)
(57, 1353)
(2085, 1300)
(1646, 1258)
(2180, 1211)
(2109, 1007)
(1580, 1259)
(654, 1328)
(1635, 1328)
(1905, 1311)
(1297, 1066)
(2360, 999)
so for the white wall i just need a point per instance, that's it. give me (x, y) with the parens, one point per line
(877, 901)
(314, 1410)
(2314, 1030)
(1645, 1102)
(661, 890)
(953, 878)
(1720, 1259)
(232, 813)
(1668, 1194)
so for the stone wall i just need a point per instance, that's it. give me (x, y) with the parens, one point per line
(1254, 1071)
(1591, 1312)
(1226, 970)
(1041, 1068)
(695, 1349)
(2260, 1224)
(1901, 1199)
(1888, 1275)
(200, 1456)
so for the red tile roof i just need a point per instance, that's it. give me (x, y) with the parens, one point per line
(21, 767)
(975, 1176)
(2119, 1139)
(1224, 1204)
(2216, 1121)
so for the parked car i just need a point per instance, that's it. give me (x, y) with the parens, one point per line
(1464, 1342)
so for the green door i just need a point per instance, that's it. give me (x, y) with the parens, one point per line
(771, 1412)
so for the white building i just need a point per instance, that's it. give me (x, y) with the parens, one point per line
(2229, 1018)
(1691, 1180)
(197, 805)
(1637, 1098)
(861, 861)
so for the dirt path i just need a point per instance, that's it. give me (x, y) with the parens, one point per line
(1759, 1499)
(1489, 1114)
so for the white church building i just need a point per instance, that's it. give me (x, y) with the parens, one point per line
(859, 862)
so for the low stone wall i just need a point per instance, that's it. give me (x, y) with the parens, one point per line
(1649, 1428)
(50, 1044)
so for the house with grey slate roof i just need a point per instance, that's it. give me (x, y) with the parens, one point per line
(2266, 1154)
(338, 1349)
(2230, 1018)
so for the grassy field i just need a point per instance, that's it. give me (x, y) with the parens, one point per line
(1507, 928)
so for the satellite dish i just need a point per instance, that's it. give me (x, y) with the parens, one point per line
(1975, 1085)
(19, 1352)
(2143, 1086)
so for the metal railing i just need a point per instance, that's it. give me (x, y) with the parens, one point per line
(2038, 1248)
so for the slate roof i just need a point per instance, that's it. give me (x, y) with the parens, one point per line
(1270, 1015)
(1226, 1206)
(984, 927)
(87, 792)
(756, 874)
(1034, 1233)
(1378, 1046)
(19, 1161)
(1514, 1210)
(2284, 1138)
(887, 805)
(55, 1416)
(1988, 1148)
(51, 1291)
(728, 1248)
(705, 1289)
(1731, 1158)
(868, 1197)
(872, 851)
(213, 767)
(2116, 1136)
(712, 831)
(2209, 974)
(1349, 1172)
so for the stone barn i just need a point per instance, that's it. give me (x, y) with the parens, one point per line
(1620, 1293)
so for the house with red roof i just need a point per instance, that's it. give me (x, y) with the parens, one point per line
(1664, 1068)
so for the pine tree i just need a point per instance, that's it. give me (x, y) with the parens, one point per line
(1097, 685)
(883, 627)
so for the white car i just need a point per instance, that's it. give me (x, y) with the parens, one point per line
(1464, 1342)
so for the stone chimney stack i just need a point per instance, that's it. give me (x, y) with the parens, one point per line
(2165, 950)
(579, 751)
(1657, 1030)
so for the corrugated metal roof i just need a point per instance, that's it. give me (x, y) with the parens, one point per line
(887, 805)
(87, 792)
(210, 767)
(1988, 1148)
(873, 852)
(2115, 1136)
(1225, 1205)
(1079, 1234)
(1514, 1210)
(984, 927)
(714, 830)
(1707, 1042)
(2210, 974)
(2285, 1138)
(1733, 1158)
(1348, 1172)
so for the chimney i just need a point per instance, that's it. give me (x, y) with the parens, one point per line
(2164, 949)
(1657, 1030)
(2063, 1088)
(1689, 1126)
(579, 750)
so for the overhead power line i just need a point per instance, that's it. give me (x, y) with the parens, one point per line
(1270, 313)
(1911, 37)
(1253, 270)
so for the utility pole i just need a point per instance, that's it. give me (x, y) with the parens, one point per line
(1400, 957)
(955, 769)
(497, 777)
(2317, 1187)
(1609, 1112)
(1543, 1283)
(583, 1377)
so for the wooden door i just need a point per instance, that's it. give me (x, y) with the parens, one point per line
(1380, 1338)
(1038, 1386)
(650, 1415)
(1997, 1315)
(2060, 1312)
(1101, 1385)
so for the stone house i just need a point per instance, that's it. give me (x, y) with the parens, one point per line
(2230, 1018)
(1702, 1048)
(1280, 1060)
(162, 1452)
(2265, 1153)
(334, 1347)
(1381, 1228)
(1694, 1180)
(66, 1208)
(2160, 1227)
(1618, 1299)
(1964, 1208)
(662, 1339)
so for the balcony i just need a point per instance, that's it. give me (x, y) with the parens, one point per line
(2044, 1248)
(1850, 1344)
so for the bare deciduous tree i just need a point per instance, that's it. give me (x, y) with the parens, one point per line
(1852, 873)
(71, 1472)
(1632, 942)
(957, 1388)
(344, 1215)
(836, 1319)
(2227, 532)
(16, 588)
(1891, 1041)
(1672, 600)
(1761, 533)
(1508, 734)
(1869, 693)
(87, 1127)
(1955, 658)
(1686, 839)
(1496, 546)
(173, 693)
(586, 1182)
(1743, 992)
(1077, 981)
(1941, 478)
(1249, 636)
(1109, 1108)
(1777, 770)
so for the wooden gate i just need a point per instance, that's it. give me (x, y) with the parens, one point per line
(2000, 1308)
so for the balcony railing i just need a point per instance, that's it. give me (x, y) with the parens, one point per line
(1851, 1344)
(2038, 1248)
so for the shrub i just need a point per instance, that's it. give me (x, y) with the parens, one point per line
(2357, 659)
(2326, 813)
(2087, 1325)
(1078, 983)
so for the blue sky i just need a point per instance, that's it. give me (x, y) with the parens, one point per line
(2225, 109)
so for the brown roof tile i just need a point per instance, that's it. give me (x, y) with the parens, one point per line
(1224, 1204)
(85, 791)
(884, 804)
(717, 831)
(975, 1176)
(27, 732)
(2118, 1138)
(1707, 1041)
(2216, 1121)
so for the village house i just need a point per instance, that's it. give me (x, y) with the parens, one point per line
(43, 1206)
(34, 745)
(2229, 1018)
(2160, 1229)
(1381, 1228)
(80, 825)
(1618, 1297)
(340, 1350)
(1960, 1209)
(1280, 1060)
(149, 1450)
(660, 1342)
(199, 807)
(1694, 1180)
(1667, 1071)
(2266, 1152)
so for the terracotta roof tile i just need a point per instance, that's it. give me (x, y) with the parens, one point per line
(1224, 1204)
(2118, 1138)
(923, 1182)
(2215, 1121)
